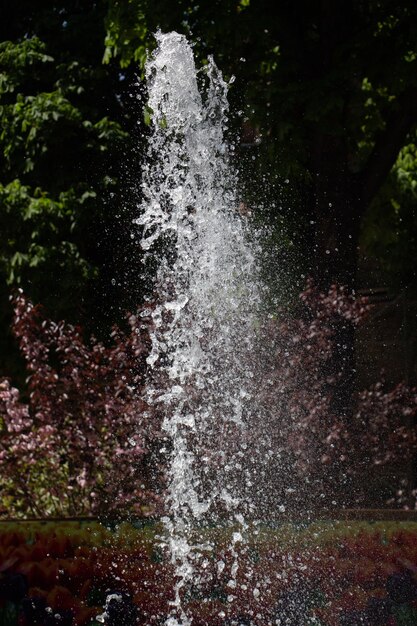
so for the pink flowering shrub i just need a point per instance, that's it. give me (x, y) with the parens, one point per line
(81, 441)
(317, 454)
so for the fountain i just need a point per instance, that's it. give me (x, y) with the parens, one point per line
(224, 554)
(207, 307)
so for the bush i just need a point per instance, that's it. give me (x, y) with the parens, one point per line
(81, 441)
(313, 451)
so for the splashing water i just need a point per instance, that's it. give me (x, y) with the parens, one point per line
(208, 299)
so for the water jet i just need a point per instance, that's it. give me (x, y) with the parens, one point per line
(205, 322)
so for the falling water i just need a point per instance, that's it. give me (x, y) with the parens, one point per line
(207, 305)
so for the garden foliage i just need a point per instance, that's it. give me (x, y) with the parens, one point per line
(80, 439)
(334, 449)
(327, 103)
(63, 133)
(327, 97)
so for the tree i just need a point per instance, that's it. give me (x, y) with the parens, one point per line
(390, 227)
(327, 89)
(63, 137)
(330, 89)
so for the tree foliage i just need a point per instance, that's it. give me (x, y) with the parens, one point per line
(330, 92)
(62, 135)
(325, 93)
(390, 225)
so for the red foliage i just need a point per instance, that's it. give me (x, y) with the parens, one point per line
(317, 452)
(84, 441)
(80, 444)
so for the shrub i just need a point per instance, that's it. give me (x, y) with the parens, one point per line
(83, 441)
(80, 441)
(313, 451)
